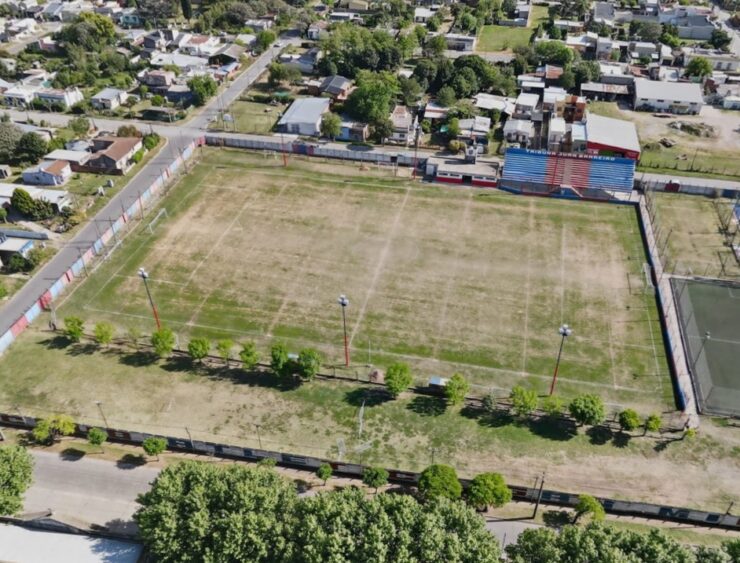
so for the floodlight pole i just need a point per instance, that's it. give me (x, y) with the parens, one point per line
(565, 331)
(144, 276)
(100, 408)
(344, 303)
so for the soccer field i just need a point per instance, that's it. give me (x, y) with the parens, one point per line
(447, 279)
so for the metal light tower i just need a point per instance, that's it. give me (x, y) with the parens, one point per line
(344, 303)
(144, 276)
(565, 331)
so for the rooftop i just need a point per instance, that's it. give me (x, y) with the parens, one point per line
(680, 92)
(305, 110)
(612, 132)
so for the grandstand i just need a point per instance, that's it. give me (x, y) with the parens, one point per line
(566, 175)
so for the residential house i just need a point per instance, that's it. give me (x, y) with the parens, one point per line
(318, 30)
(258, 25)
(584, 43)
(20, 29)
(352, 130)
(19, 95)
(52, 11)
(129, 18)
(607, 13)
(553, 101)
(179, 94)
(603, 91)
(303, 117)
(199, 45)
(550, 74)
(337, 16)
(423, 15)
(499, 103)
(569, 26)
(56, 97)
(158, 81)
(47, 45)
(575, 108)
(672, 97)
(643, 49)
(113, 155)
(186, 63)
(338, 87)
(403, 125)
(248, 40)
(475, 130)
(48, 173)
(520, 131)
(556, 134)
(434, 111)
(720, 60)
(525, 105)
(227, 54)
(109, 99)
(46, 133)
(458, 42)
(77, 159)
(59, 199)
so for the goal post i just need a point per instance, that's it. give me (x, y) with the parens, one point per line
(157, 218)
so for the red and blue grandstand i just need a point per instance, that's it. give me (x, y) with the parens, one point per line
(577, 176)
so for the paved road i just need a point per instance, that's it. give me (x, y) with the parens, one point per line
(91, 490)
(507, 531)
(178, 139)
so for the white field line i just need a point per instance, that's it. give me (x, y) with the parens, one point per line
(562, 274)
(527, 294)
(611, 348)
(380, 265)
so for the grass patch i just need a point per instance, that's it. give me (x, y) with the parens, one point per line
(252, 117)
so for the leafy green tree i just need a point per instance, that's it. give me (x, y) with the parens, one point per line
(589, 505)
(535, 545)
(435, 46)
(331, 125)
(720, 39)
(224, 347)
(157, 11)
(398, 378)
(587, 409)
(732, 548)
(653, 423)
(163, 342)
(187, 9)
(150, 141)
(53, 427)
(489, 403)
(96, 437)
(265, 38)
(446, 96)
(629, 420)
(31, 147)
(707, 554)
(79, 126)
(411, 90)
(523, 401)
(370, 101)
(22, 202)
(553, 52)
(453, 127)
(439, 481)
(249, 355)
(553, 406)
(586, 71)
(309, 363)
(456, 389)
(279, 362)
(382, 130)
(375, 477)
(16, 474)
(154, 445)
(73, 328)
(203, 88)
(488, 489)
(90, 31)
(103, 333)
(324, 472)
(198, 349)
(698, 66)
(567, 79)
(205, 512)
(3, 215)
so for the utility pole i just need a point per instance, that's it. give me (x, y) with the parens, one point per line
(100, 408)
(539, 496)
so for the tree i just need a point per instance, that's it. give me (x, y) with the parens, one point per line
(589, 505)
(150, 141)
(205, 512)
(649, 31)
(128, 131)
(22, 202)
(552, 52)
(154, 445)
(90, 31)
(398, 378)
(73, 328)
(586, 71)
(79, 126)
(567, 79)
(535, 545)
(157, 11)
(436, 46)
(309, 363)
(187, 9)
(103, 333)
(553, 406)
(439, 481)
(453, 127)
(698, 66)
(157, 100)
(629, 420)
(10, 136)
(456, 389)
(52, 427)
(202, 87)
(653, 423)
(382, 129)
(523, 401)
(331, 125)
(16, 474)
(3, 215)
(488, 489)
(375, 477)
(265, 38)
(720, 39)
(224, 347)
(198, 349)
(446, 96)
(370, 101)
(31, 147)
(279, 362)
(489, 403)
(163, 342)
(411, 90)
(587, 409)
(249, 355)
(324, 472)
(96, 437)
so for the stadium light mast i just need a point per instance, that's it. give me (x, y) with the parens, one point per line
(145, 276)
(565, 331)
(344, 303)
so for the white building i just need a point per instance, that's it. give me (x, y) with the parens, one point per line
(519, 131)
(109, 99)
(59, 199)
(457, 42)
(671, 97)
(65, 98)
(526, 105)
(303, 117)
(48, 173)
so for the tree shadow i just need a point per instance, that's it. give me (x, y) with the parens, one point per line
(621, 440)
(599, 435)
(253, 378)
(82, 349)
(131, 461)
(555, 429)
(71, 454)
(58, 342)
(485, 418)
(182, 363)
(120, 527)
(138, 359)
(371, 397)
(556, 518)
(427, 406)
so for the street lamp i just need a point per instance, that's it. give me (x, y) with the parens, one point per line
(344, 303)
(565, 331)
(144, 276)
(707, 336)
(100, 408)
